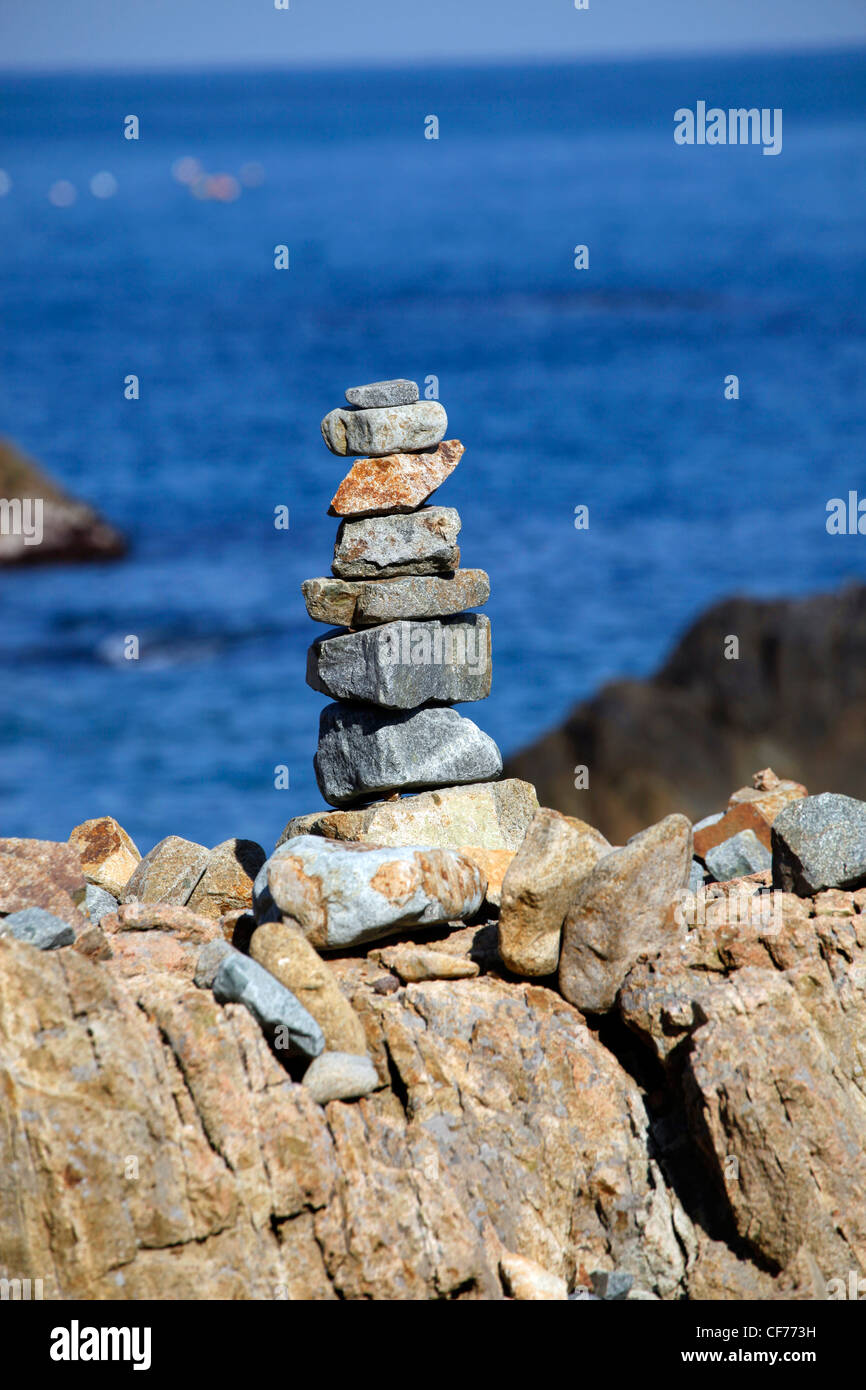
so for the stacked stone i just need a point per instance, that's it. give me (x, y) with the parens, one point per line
(406, 650)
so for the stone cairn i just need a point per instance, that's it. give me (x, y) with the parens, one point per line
(404, 650)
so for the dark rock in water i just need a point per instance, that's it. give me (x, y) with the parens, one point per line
(38, 928)
(40, 523)
(681, 739)
(820, 842)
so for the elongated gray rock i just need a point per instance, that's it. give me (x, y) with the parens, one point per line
(365, 602)
(341, 894)
(340, 1076)
(365, 753)
(239, 980)
(98, 903)
(378, 547)
(740, 854)
(386, 430)
(404, 665)
(377, 393)
(820, 842)
(38, 928)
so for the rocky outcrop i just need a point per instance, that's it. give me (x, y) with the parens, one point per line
(40, 523)
(795, 697)
(436, 1127)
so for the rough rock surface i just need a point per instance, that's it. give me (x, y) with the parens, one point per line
(502, 1126)
(169, 873)
(340, 1076)
(283, 1019)
(715, 830)
(680, 740)
(396, 483)
(286, 953)
(820, 842)
(363, 753)
(403, 665)
(384, 430)
(742, 854)
(227, 882)
(489, 815)
(540, 886)
(424, 542)
(341, 894)
(414, 963)
(43, 873)
(361, 603)
(38, 928)
(398, 391)
(623, 908)
(109, 857)
(526, 1280)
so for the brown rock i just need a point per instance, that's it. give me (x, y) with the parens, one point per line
(395, 483)
(413, 963)
(624, 908)
(71, 530)
(367, 602)
(769, 795)
(744, 815)
(181, 922)
(490, 815)
(227, 882)
(539, 887)
(93, 943)
(287, 954)
(109, 857)
(169, 873)
(493, 864)
(43, 873)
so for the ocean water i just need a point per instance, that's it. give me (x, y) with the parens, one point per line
(412, 257)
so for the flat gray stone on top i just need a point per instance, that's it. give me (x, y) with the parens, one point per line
(365, 753)
(340, 1076)
(390, 429)
(365, 602)
(740, 854)
(282, 1017)
(420, 542)
(820, 842)
(38, 928)
(403, 665)
(400, 391)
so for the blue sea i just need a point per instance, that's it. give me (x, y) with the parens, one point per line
(449, 258)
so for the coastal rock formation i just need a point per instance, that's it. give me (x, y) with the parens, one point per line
(678, 741)
(60, 529)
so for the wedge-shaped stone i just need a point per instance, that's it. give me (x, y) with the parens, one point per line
(235, 979)
(491, 816)
(377, 393)
(422, 542)
(343, 894)
(109, 857)
(385, 430)
(363, 603)
(395, 483)
(169, 873)
(625, 907)
(365, 753)
(404, 665)
(539, 887)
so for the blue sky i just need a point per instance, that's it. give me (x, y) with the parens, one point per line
(183, 33)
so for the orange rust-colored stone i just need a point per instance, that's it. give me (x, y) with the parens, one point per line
(397, 482)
